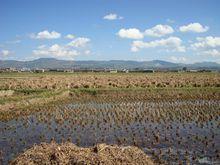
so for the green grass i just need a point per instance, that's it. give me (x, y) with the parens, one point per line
(25, 94)
(87, 90)
(29, 91)
(28, 99)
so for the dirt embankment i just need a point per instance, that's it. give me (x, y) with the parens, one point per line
(68, 153)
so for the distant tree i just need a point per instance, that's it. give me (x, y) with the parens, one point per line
(184, 68)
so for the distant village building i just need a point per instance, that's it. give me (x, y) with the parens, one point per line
(113, 71)
(125, 70)
(193, 70)
(9, 70)
(25, 70)
(39, 70)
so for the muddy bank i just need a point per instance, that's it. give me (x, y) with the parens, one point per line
(68, 153)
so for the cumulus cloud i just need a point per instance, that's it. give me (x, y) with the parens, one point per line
(207, 46)
(79, 42)
(194, 27)
(159, 31)
(70, 36)
(5, 53)
(156, 31)
(178, 59)
(56, 51)
(173, 43)
(67, 51)
(131, 33)
(212, 52)
(46, 35)
(206, 42)
(112, 16)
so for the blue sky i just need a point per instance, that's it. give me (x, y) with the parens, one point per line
(174, 30)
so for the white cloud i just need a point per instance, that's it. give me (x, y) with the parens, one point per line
(56, 51)
(209, 46)
(156, 31)
(5, 53)
(178, 59)
(132, 33)
(87, 52)
(212, 52)
(206, 42)
(79, 42)
(41, 46)
(173, 43)
(194, 27)
(46, 35)
(112, 16)
(68, 51)
(70, 36)
(159, 31)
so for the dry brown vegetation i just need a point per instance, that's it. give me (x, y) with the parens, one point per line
(172, 117)
(68, 153)
(170, 125)
(25, 105)
(97, 80)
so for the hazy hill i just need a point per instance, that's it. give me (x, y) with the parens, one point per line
(53, 63)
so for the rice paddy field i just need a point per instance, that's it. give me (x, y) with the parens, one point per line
(173, 117)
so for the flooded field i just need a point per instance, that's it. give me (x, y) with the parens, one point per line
(174, 129)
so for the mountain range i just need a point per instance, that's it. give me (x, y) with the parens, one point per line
(52, 63)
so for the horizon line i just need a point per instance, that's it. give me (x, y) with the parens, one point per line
(107, 60)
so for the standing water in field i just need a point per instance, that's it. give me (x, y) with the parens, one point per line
(171, 131)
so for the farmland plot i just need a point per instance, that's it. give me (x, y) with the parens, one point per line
(173, 126)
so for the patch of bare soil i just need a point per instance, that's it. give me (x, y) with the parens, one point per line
(68, 153)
